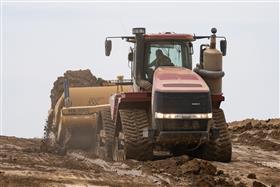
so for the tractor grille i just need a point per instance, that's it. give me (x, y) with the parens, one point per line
(182, 125)
(182, 103)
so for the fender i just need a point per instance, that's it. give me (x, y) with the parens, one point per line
(128, 100)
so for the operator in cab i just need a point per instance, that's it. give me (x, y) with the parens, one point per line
(161, 60)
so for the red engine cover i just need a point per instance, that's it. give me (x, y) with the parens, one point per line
(175, 79)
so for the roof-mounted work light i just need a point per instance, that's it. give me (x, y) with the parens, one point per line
(138, 31)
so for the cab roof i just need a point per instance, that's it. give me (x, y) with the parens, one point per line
(169, 36)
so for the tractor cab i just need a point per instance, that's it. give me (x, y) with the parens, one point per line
(151, 51)
(166, 53)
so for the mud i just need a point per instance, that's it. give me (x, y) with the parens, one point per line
(255, 162)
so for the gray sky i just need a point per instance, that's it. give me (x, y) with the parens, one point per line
(43, 40)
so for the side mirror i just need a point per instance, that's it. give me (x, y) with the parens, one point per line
(108, 47)
(223, 47)
(130, 56)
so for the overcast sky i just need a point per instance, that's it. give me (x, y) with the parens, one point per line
(43, 40)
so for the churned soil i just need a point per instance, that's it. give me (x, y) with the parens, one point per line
(255, 162)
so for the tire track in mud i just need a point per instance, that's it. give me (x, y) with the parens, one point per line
(122, 169)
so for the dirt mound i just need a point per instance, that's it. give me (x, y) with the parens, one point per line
(78, 78)
(249, 124)
(182, 165)
(189, 171)
(261, 133)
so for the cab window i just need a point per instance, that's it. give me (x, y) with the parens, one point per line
(172, 51)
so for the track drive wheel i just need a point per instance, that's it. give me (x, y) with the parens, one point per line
(129, 141)
(104, 134)
(220, 148)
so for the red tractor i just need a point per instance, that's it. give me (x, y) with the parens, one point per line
(171, 106)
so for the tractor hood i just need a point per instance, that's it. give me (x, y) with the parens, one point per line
(177, 79)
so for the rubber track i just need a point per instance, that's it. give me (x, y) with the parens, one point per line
(221, 148)
(109, 128)
(108, 125)
(133, 123)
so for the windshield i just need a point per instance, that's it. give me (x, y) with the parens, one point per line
(165, 55)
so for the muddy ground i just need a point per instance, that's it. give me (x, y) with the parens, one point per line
(256, 162)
